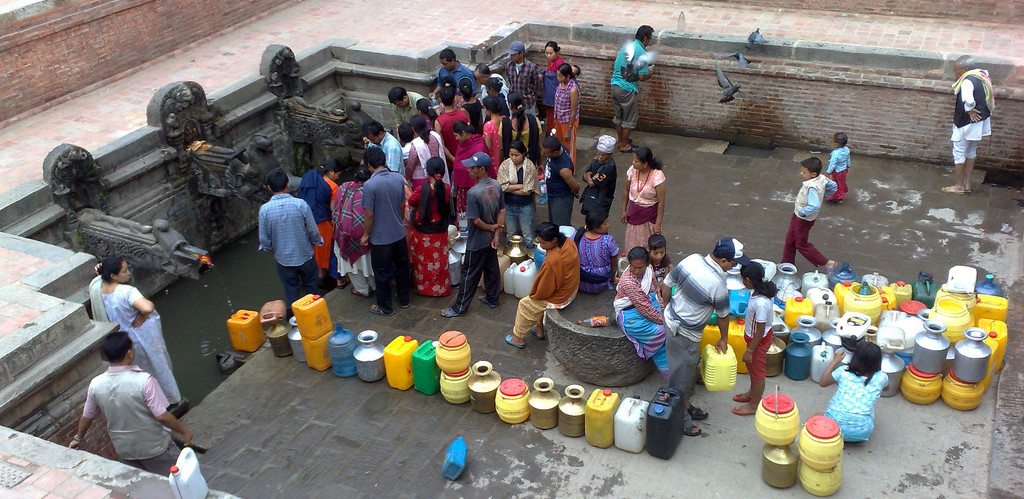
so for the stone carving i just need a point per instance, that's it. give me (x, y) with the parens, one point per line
(306, 125)
(155, 247)
(181, 112)
(75, 179)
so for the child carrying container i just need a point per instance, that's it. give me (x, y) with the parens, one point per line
(757, 333)
(838, 167)
(814, 189)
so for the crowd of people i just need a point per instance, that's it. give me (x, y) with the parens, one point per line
(481, 152)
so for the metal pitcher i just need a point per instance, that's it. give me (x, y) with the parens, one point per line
(971, 361)
(779, 466)
(930, 349)
(893, 367)
(369, 357)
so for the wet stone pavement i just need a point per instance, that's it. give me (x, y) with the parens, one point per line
(275, 427)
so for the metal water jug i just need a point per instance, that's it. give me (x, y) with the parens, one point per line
(786, 279)
(813, 280)
(808, 325)
(517, 253)
(893, 367)
(971, 361)
(295, 340)
(369, 357)
(930, 349)
(779, 466)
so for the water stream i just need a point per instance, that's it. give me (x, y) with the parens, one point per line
(194, 312)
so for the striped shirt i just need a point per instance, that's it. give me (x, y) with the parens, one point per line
(700, 289)
(287, 228)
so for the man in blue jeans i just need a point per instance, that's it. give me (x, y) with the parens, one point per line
(384, 206)
(287, 228)
(561, 182)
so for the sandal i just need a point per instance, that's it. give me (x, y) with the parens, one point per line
(696, 413)
(375, 310)
(508, 339)
(953, 190)
(741, 398)
(367, 295)
(693, 431)
(343, 283)
(533, 332)
(741, 410)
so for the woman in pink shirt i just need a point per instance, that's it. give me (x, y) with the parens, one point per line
(492, 136)
(469, 143)
(643, 206)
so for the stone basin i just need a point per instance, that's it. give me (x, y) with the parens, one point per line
(601, 356)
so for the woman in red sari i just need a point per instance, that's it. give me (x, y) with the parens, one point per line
(428, 243)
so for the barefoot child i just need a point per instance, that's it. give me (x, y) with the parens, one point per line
(838, 167)
(814, 189)
(757, 334)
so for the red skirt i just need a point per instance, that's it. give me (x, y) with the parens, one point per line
(429, 255)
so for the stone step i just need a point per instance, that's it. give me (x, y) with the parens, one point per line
(23, 200)
(65, 278)
(36, 222)
(49, 324)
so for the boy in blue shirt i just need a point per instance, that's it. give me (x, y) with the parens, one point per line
(838, 165)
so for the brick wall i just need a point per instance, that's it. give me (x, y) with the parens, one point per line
(802, 105)
(69, 48)
(1001, 11)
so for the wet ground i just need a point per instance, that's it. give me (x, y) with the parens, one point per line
(276, 427)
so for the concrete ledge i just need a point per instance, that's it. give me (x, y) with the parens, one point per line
(116, 153)
(57, 324)
(599, 356)
(23, 199)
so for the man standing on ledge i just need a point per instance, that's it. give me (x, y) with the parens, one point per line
(971, 119)
(288, 229)
(700, 289)
(624, 89)
(135, 408)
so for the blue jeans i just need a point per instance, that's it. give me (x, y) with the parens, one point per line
(306, 276)
(560, 209)
(519, 219)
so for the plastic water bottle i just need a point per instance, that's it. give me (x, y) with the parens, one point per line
(542, 184)
(454, 459)
(595, 321)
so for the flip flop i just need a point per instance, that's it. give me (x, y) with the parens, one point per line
(696, 413)
(741, 398)
(742, 411)
(508, 339)
(345, 285)
(367, 295)
(953, 190)
(375, 310)
(693, 431)
(533, 332)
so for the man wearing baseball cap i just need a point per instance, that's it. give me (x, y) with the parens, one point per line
(700, 289)
(485, 211)
(523, 76)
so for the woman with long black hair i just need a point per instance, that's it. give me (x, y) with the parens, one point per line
(428, 241)
(860, 385)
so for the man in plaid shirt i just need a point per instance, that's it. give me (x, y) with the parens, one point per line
(287, 228)
(523, 76)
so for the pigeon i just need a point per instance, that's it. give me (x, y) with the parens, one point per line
(730, 89)
(744, 62)
(755, 37)
(634, 63)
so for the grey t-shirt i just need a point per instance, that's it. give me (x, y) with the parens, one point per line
(483, 201)
(384, 193)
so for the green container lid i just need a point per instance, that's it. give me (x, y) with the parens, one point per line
(426, 376)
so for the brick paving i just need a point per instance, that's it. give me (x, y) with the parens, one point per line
(110, 109)
(46, 482)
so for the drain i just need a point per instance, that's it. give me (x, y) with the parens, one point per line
(11, 476)
(747, 151)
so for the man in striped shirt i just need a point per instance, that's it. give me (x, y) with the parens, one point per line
(699, 289)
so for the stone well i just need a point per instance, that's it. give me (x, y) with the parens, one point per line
(601, 356)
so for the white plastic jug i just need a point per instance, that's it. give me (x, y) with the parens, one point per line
(819, 296)
(567, 230)
(186, 480)
(962, 279)
(526, 272)
(821, 357)
(875, 279)
(813, 280)
(631, 425)
(853, 325)
(508, 280)
(769, 268)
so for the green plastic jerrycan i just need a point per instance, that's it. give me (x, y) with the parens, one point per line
(924, 289)
(426, 376)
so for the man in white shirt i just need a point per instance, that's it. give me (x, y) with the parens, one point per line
(972, 120)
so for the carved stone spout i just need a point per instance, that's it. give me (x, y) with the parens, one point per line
(155, 247)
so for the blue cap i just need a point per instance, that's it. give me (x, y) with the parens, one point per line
(517, 47)
(479, 160)
(732, 249)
